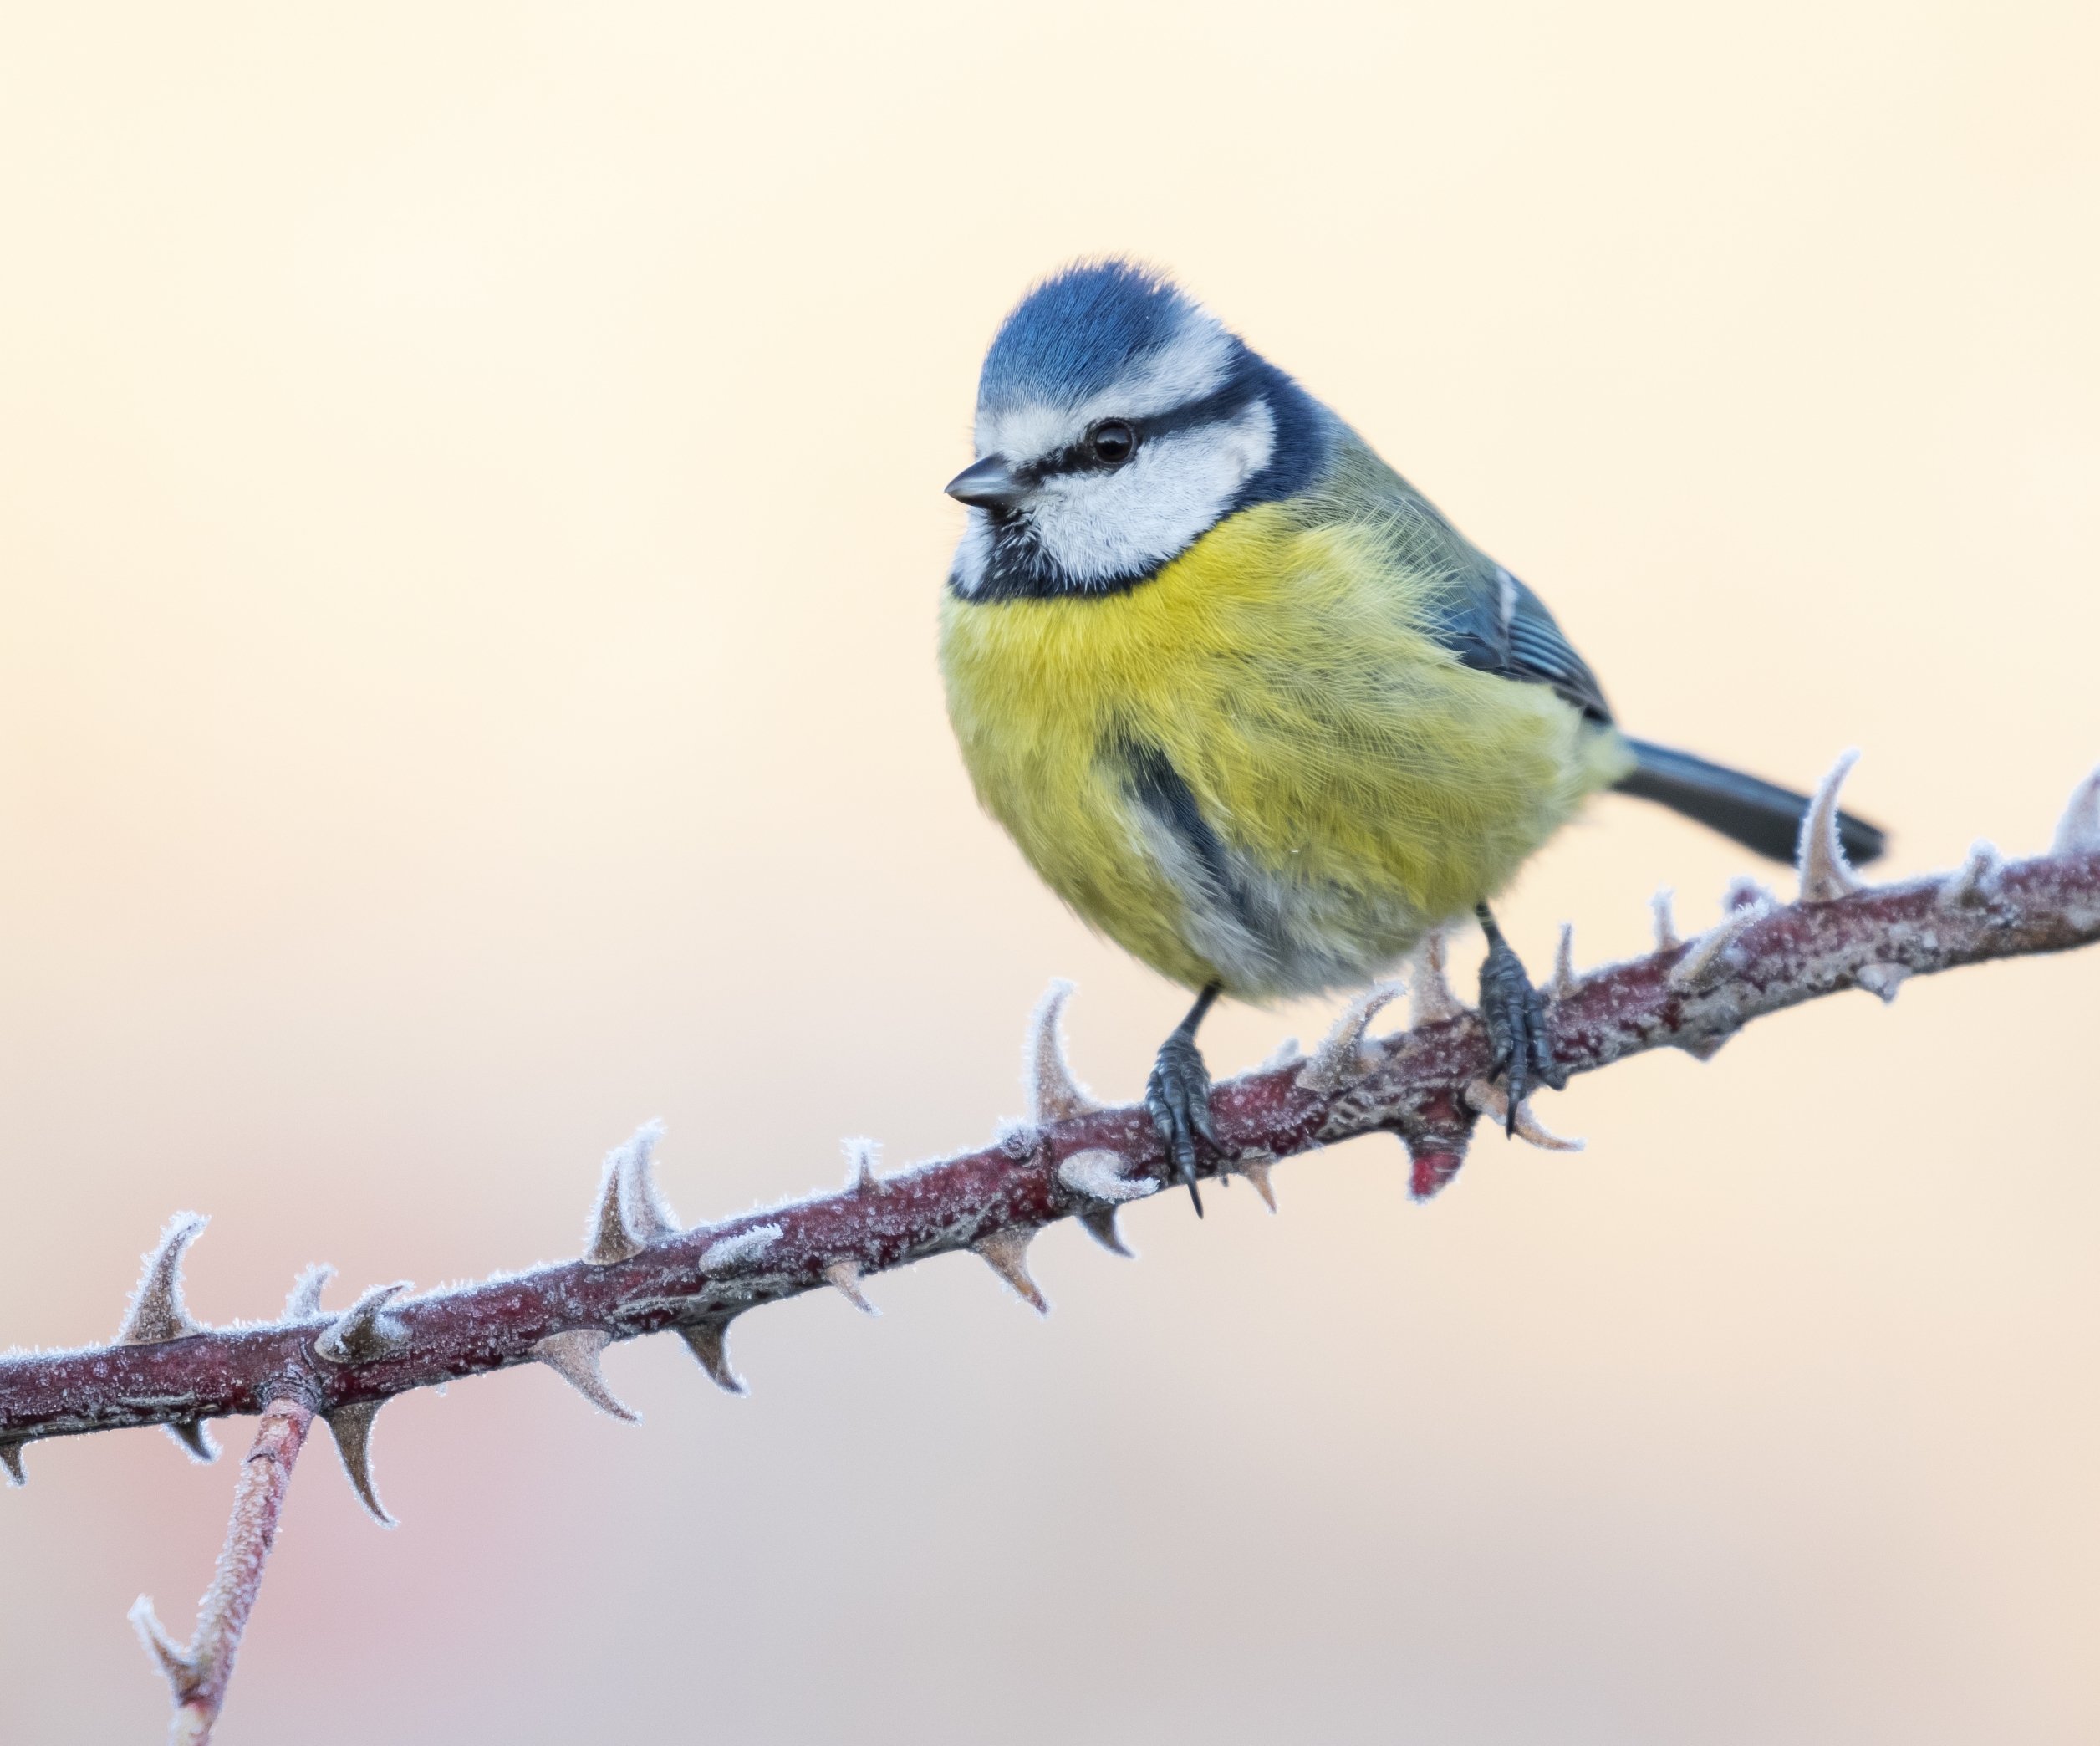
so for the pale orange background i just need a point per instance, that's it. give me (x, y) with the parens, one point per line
(470, 524)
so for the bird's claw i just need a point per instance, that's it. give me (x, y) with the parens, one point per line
(1521, 1052)
(1178, 1098)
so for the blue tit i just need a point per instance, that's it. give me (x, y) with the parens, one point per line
(1244, 698)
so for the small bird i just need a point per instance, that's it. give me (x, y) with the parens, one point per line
(1244, 698)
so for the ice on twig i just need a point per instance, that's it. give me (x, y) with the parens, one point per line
(1098, 1174)
(740, 1246)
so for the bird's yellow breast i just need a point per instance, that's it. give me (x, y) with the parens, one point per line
(1356, 783)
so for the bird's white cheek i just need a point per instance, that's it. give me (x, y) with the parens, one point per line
(973, 555)
(1096, 527)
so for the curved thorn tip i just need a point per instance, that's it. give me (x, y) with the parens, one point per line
(1054, 1094)
(1826, 875)
(156, 1312)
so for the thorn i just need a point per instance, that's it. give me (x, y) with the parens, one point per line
(572, 1356)
(1660, 906)
(608, 1239)
(863, 1154)
(1825, 874)
(2078, 831)
(845, 1275)
(642, 1205)
(352, 1428)
(11, 1459)
(1054, 1094)
(1883, 980)
(1432, 1001)
(1256, 1172)
(1101, 1226)
(629, 1214)
(174, 1660)
(305, 1300)
(194, 1437)
(1743, 891)
(1971, 885)
(1493, 1102)
(1704, 1048)
(365, 1330)
(1564, 963)
(1700, 965)
(157, 1312)
(1281, 1055)
(1006, 1252)
(1430, 1170)
(1098, 1174)
(1339, 1058)
(708, 1341)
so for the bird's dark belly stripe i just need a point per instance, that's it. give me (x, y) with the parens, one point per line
(1157, 786)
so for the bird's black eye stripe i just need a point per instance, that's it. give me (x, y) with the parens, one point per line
(1084, 456)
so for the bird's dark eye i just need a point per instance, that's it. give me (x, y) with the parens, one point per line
(1112, 441)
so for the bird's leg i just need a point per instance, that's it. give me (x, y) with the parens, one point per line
(1178, 1095)
(1515, 1014)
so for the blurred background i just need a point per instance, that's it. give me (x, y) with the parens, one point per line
(471, 528)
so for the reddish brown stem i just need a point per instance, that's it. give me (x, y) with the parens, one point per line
(198, 1674)
(640, 1275)
(1413, 1084)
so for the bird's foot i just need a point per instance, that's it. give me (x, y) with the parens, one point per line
(1520, 1053)
(1178, 1096)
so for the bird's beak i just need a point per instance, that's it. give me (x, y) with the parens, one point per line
(987, 484)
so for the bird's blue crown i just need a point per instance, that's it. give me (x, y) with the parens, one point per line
(1080, 331)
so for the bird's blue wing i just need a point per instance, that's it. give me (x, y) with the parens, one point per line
(1476, 608)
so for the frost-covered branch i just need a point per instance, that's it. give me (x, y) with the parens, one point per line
(641, 1273)
(197, 1673)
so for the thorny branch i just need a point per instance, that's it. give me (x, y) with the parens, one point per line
(641, 1273)
(198, 1674)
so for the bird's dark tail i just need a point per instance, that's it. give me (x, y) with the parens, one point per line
(1759, 815)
